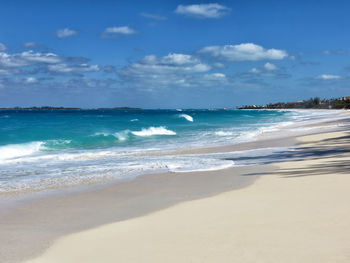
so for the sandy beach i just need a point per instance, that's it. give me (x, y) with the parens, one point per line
(294, 211)
(174, 131)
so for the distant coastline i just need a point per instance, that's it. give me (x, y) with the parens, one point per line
(48, 108)
(313, 103)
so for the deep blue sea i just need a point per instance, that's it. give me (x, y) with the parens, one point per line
(40, 149)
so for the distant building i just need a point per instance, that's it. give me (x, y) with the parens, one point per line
(346, 98)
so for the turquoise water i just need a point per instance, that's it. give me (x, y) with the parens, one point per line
(40, 149)
(102, 129)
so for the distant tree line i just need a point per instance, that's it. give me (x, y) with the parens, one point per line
(312, 103)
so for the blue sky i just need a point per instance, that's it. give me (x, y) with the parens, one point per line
(171, 54)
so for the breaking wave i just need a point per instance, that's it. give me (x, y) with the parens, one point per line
(11, 151)
(153, 131)
(187, 117)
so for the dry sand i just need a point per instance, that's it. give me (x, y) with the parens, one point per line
(299, 213)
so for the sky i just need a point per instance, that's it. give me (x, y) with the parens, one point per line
(172, 54)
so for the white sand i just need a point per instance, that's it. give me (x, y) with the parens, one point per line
(280, 218)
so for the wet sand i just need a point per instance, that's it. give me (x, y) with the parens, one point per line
(298, 213)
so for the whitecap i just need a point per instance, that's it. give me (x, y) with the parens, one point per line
(153, 131)
(187, 117)
(122, 136)
(224, 133)
(17, 150)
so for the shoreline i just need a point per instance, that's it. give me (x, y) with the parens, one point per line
(46, 219)
(49, 217)
(284, 136)
(296, 213)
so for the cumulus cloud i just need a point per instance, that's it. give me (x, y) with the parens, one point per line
(328, 77)
(31, 80)
(27, 58)
(2, 47)
(270, 66)
(66, 32)
(243, 52)
(179, 63)
(267, 70)
(215, 76)
(255, 71)
(32, 63)
(173, 69)
(154, 16)
(212, 10)
(67, 69)
(121, 30)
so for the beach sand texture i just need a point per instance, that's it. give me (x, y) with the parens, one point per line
(299, 213)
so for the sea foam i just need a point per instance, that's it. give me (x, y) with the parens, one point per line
(17, 150)
(153, 131)
(187, 117)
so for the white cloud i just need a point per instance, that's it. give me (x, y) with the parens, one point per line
(254, 70)
(267, 70)
(215, 76)
(270, 67)
(30, 62)
(27, 58)
(218, 65)
(81, 68)
(2, 47)
(66, 32)
(5, 71)
(30, 45)
(167, 64)
(154, 16)
(40, 57)
(212, 10)
(328, 77)
(31, 80)
(124, 30)
(243, 52)
(171, 70)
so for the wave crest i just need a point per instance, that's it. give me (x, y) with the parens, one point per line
(11, 151)
(187, 117)
(153, 131)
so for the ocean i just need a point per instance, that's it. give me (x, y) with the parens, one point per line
(48, 149)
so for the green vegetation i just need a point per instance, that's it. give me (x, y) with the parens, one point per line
(312, 103)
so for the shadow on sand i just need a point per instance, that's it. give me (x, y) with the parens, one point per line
(325, 149)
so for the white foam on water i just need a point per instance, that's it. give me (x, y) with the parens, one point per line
(11, 151)
(187, 117)
(224, 133)
(122, 136)
(31, 166)
(145, 132)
